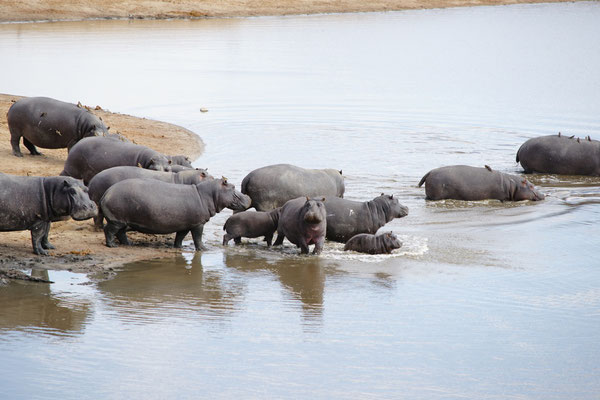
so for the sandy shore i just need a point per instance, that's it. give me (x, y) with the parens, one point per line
(79, 246)
(36, 10)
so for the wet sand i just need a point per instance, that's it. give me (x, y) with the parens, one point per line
(79, 246)
(79, 9)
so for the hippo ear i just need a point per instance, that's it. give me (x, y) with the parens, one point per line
(323, 199)
(341, 172)
(382, 194)
(391, 197)
(169, 162)
(202, 174)
(66, 184)
(307, 199)
(223, 181)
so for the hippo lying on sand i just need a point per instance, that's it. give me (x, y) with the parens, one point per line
(270, 187)
(151, 206)
(183, 161)
(557, 154)
(346, 218)
(95, 154)
(105, 179)
(50, 124)
(373, 244)
(304, 222)
(251, 224)
(461, 182)
(32, 203)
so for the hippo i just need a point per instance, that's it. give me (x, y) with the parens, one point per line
(346, 218)
(32, 203)
(95, 154)
(373, 244)
(151, 206)
(251, 224)
(50, 124)
(304, 222)
(183, 161)
(270, 187)
(105, 179)
(462, 182)
(558, 154)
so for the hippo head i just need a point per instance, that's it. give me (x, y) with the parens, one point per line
(159, 163)
(180, 160)
(391, 206)
(193, 176)
(227, 197)
(390, 242)
(73, 198)
(313, 211)
(524, 190)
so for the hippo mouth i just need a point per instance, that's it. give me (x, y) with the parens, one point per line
(85, 213)
(312, 219)
(240, 202)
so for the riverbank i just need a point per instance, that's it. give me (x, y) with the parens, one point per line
(79, 246)
(160, 9)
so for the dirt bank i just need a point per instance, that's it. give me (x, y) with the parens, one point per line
(80, 9)
(78, 245)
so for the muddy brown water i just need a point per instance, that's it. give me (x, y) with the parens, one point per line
(484, 300)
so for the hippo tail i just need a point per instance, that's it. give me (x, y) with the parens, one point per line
(423, 179)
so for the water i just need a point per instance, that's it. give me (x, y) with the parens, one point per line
(484, 300)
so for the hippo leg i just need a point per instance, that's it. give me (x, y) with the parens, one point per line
(303, 247)
(38, 230)
(45, 243)
(14, 142)
(197, 237)
(226, 238)
(98, 219)
(31, 148)
(319, 246)
(114, 230)
(179, 236)
(237, 240)
(269, 239)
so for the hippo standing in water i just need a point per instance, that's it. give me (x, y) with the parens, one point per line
(557, 154)
(95, 154)
(373, 244)
(251, 224)
(105, 179)
(270, 187)
(461, 182)
(50, 124)
(32, 203)
(151, 206)
(304, 222)
(346, 218)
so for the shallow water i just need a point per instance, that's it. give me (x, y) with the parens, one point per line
(484, 300)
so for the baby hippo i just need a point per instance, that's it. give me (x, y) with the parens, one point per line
(304, 222)
(373, 244)
(251, 224)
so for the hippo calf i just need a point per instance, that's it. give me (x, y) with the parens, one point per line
(183, 161)
(32, 203)
(557, 154)
(105, 179)
(270, 187)
(461, 182)
(50, 124)
(304, 222)
(95, 154)
(151, 206)
(346, 218)
(251, 224)
(373, 244)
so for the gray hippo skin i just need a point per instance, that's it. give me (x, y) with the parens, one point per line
(270, 187)
(32, 203)
(461, 182)
(373, 244)
(105, 179)
(183, 161)
(560, 155)
(304, 222)
(251, 224)
(346, 218)
(95, 154)
(156, 207)
(50, 124)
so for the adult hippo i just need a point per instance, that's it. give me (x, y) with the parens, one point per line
(32, 203)
(151, 206)
(50, 124)
(95, 154)
(303, 222)
(373, 244)
(181, 160)
(251, 224)
(270, 187)
(462, 182)
(346, 218)
(557, 154)
(105, 179)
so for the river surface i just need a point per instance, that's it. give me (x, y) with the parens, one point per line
(485, 300)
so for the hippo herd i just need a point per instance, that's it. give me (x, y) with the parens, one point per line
(136, 188)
